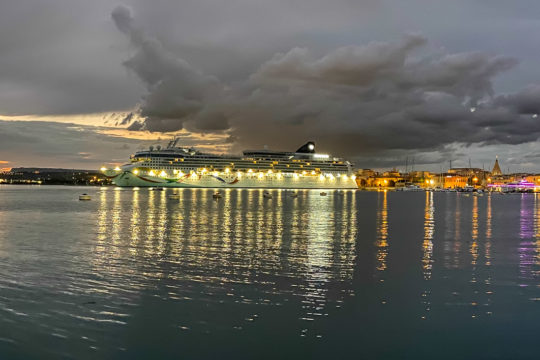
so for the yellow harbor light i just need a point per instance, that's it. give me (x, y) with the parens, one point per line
(227, 170)
(345, 177)
(103, 169)
(135, 171)
(250, 171)
(152, 173)
(353, 177)
(117, 169)
(295, 175)
(321, 177)
(162, 173)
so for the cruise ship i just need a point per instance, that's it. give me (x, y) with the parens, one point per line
(176, 166)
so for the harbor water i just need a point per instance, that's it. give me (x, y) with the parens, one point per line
(134, 273)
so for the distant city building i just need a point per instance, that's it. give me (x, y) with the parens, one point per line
(496, 168)
(53, 176)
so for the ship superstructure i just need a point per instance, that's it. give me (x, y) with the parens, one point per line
(175, 166)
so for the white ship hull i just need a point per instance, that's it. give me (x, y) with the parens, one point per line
(283, 181)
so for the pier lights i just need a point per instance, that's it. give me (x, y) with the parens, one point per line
(250, 171)
(103, 169)
(193, 175)
(204, 170)
(162, 173)
(152, 173)
(312, 172)
(295, 176)
(353, 177)
(431, 181)
(278, 175)
(135, 171)
(269, 172)
(117, 169)
(215, 173)
(180, 173)
(238, 174)
(321, 177)
(475, 179)
(227, 170)
(261, 175)
(304, 172)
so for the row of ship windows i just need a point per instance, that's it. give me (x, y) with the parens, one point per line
(278, 168)
(189, 170)
(252, 161)
(248, 165)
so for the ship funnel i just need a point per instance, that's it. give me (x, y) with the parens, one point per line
(308, 147)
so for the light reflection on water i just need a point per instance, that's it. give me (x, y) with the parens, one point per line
(136, 273)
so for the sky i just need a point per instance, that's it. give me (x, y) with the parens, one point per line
(86, 83)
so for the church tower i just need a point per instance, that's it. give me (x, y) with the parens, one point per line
(496, 168)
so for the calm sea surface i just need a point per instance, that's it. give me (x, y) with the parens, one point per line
(366, 275)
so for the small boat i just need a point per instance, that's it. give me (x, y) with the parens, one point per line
(85, 197)
(267, 195)
(174, 196)
(323, 193)
(217, 195)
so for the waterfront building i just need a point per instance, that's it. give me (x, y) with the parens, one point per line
(496, 168)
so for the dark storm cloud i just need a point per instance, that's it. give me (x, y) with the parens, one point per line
(526, 101)
(177, 92)
(353, 100)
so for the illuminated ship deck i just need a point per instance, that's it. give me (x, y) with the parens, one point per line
(186, 167)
